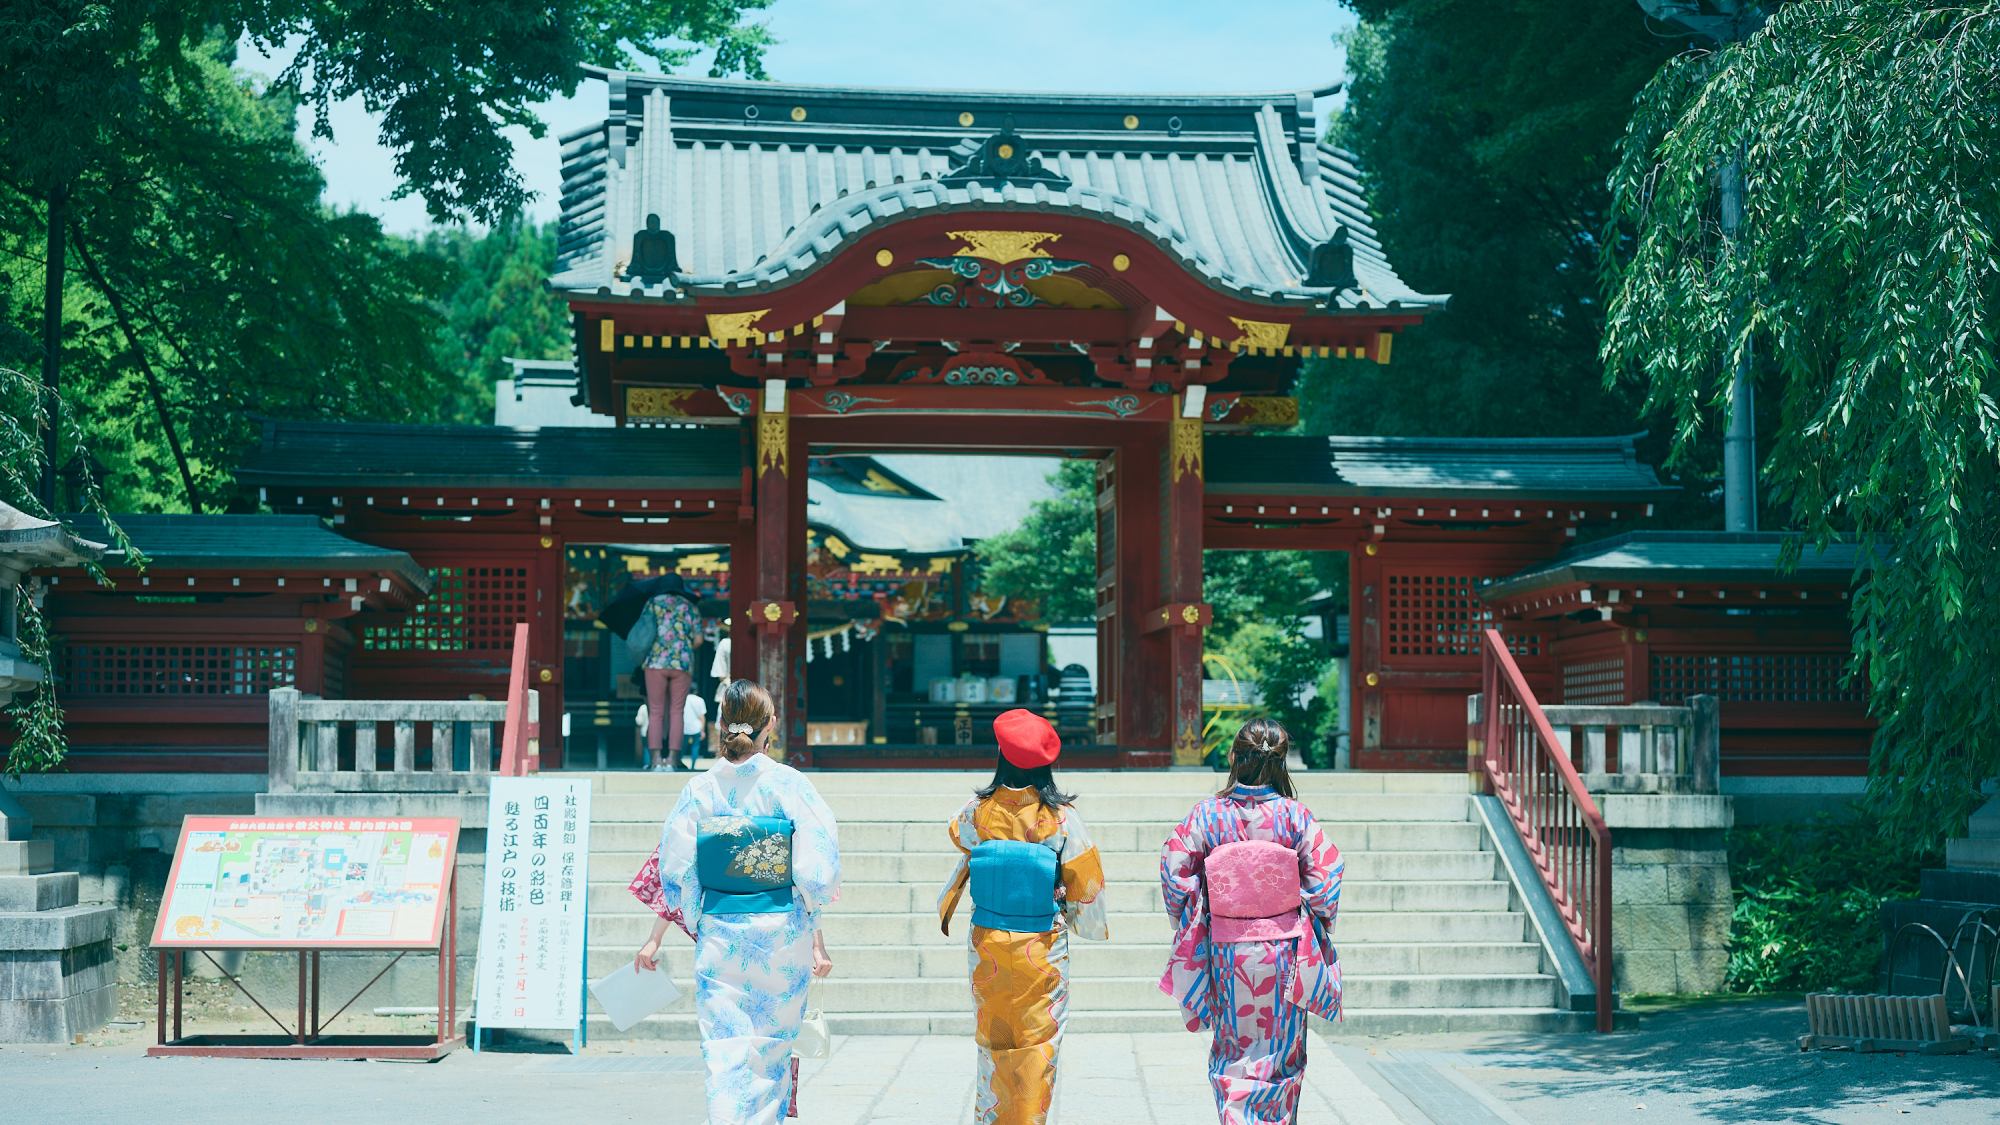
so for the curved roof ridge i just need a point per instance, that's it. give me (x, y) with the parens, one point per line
(920, 93)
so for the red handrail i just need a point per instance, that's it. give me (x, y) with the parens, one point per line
(520, 735)
(1565, 834)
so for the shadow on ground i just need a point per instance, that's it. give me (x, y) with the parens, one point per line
(1736, 1061)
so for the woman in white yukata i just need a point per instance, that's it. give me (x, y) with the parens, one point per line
(748, 859)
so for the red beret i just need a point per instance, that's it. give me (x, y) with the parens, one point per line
(1026, 739)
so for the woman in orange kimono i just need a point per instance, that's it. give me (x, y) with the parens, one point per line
(1035, 879)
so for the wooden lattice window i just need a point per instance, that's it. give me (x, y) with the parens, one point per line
(1441, 615)
(471, 609)
(1599, 682)
(1763, 677)
(175, 669)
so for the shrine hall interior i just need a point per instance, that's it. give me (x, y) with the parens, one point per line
(826, 341)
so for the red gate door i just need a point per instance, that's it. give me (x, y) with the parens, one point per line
(1108, 656)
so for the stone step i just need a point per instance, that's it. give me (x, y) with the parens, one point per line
(1164, 809)
(926, 995)
(884, 898)
(1110, 959)
(680, 1025)
(1189, 784)
(1978, 853)
(930, 869)
(628, 928)
(928, 836)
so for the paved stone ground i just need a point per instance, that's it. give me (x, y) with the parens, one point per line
(1728, 1063)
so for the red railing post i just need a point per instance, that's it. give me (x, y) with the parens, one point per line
(1560, 825)
(519, 728)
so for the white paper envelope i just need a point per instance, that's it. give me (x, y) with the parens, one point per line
(628, 995)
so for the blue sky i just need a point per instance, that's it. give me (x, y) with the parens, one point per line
(1141, 46)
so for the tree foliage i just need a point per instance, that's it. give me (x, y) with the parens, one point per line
(1868, 280)
(212, 287)
(498, 305)
(1486, 130)
(1052, 557)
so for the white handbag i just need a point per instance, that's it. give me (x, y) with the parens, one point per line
(815, 1041)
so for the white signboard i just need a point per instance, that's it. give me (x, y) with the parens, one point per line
(531, 922)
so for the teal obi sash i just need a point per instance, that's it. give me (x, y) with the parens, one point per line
(744, 864)
(1014, 886)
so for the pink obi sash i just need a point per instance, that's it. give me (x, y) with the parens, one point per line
(1253, 892)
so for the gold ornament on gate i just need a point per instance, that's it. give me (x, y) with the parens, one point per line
(773, 611)
(1190, 614)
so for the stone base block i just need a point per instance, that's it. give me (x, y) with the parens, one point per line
(57, 1021)
(38, 892)
(33, 974)
(67, 928)
(26, 857)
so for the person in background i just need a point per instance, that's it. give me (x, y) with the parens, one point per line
(694, 727)
(748, 858)
(718, 670)
(1251, 886)
(673, 622)
(1035, 878)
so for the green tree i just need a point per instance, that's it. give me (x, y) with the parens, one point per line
(1485, 130)
(213, 287)
(499, 306)
(1052, 557)
(1869, 283)
(80, 81)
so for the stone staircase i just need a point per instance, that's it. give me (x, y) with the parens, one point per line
(1431, 935)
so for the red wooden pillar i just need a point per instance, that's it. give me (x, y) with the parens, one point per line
(1182, 615)
(550, 581)
(1140, 644)
(776, 607)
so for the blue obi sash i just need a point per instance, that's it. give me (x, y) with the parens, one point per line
(744, 864)
(1014, 886)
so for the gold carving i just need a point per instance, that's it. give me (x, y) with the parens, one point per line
(1186, 450)
(658, 402)
(1120, 262)
(546, 675)
(1190, 614)
(1382, 342)
(1131, 121)
(1005, 151)
(964, 119)
(798, 113)
(1370, 549)
(774, 440)
(1371, 679)
(1260, 333)
(884, 258)
(735, 328)
(607, 333)
(773, 612)
(1003, 246)
(1265, 410)
(1187, 746)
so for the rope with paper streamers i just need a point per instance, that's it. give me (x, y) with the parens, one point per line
(822, 641)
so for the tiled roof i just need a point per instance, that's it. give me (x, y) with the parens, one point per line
(761, 182)
(1493, 468)
(366, 454)
(968, 497)
(251, 542)
(29, 541)
(1687, 556)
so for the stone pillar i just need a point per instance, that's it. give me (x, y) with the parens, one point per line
(57, 978)
(1671, 898)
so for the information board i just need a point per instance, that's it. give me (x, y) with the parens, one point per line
(308, 883)
(531, 923)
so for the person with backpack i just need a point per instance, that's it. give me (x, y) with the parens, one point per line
(1251, 885)
(1035, 879)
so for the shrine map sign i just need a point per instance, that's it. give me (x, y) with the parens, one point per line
(303, 883)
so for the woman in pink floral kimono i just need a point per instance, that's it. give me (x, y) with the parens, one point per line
(1252, 886)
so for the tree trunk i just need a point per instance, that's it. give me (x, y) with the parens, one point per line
(52, 303)
(153, 387)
